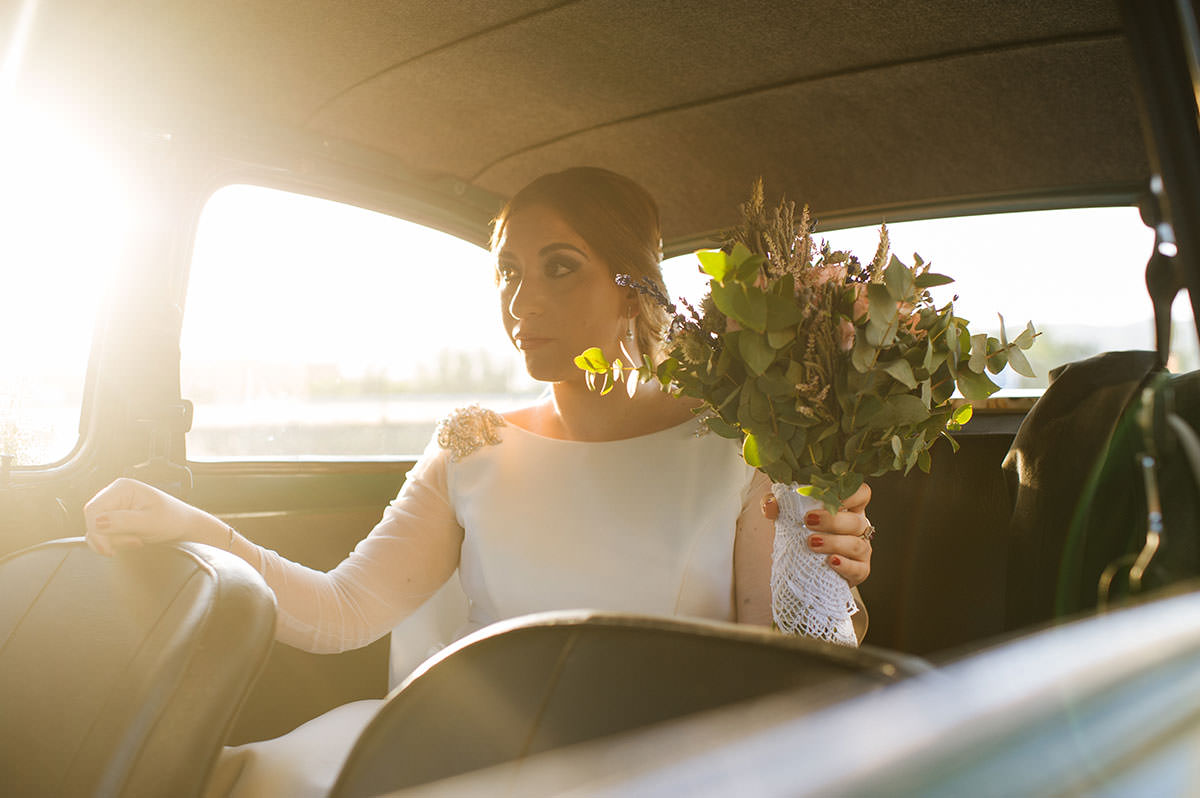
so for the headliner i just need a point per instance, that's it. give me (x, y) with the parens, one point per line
(862, 109)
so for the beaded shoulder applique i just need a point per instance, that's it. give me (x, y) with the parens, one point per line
(467, 429)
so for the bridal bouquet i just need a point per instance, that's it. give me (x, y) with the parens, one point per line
(828, 370)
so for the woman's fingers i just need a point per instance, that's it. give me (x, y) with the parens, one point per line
(129, 513)
(770, 507)
(847, 546)
(843, 523)
(853, 571)
(848, 555)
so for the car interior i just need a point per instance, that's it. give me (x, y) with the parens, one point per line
(991, 641)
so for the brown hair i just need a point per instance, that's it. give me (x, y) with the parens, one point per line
(619, 221)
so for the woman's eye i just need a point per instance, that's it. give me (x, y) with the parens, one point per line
(560, 267)
(507, 273)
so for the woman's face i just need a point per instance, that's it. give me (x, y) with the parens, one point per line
(557, 296)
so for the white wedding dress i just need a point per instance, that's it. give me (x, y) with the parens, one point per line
(644, 525)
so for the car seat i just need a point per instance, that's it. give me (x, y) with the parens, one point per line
(121, 676)
(548, 680)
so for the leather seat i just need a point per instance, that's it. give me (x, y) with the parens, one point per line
(545, 681)
(122, 676)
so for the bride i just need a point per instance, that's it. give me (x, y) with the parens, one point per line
(611, 502)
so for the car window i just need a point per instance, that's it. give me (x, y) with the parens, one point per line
(314, 328)
(1077, 274)
(64, 217)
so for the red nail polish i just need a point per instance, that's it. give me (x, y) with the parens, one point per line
(812, 519)
(835, 560)
(815, 540)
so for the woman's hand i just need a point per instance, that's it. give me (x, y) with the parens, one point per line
(840, 536)
(129, 514)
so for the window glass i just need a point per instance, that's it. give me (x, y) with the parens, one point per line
(1078, 275)
(314, 328)
(64, 215)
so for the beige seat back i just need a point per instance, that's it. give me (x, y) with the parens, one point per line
(121, 676)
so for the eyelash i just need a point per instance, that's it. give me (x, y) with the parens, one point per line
(565, 264)
(554, 268)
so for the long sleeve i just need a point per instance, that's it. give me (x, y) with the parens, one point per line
(409, 554)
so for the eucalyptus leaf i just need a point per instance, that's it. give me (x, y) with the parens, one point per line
(721, 428)
(782, 312)
(901, 409)
(592, 359)
(750, 452)
(931, 280)
(883, 307)
(666, 370)
(778, 339)
(1025, 339)
(978, 361)
(962, 414)
(755, 350)
(1019, 363)
(899, 280)
(901, 372)
(714, 263)
(975, 386)
(747, 307)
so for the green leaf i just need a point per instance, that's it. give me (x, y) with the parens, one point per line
(778, 339)
(666, 370)
(743, 264)
(1019, 363)
(900, 410)
(975, 386)
(714, 263)
(923, 461)
(782, 312)
(930, 280)
(978, 361)
(721, 428)
(750, 452)
(901, 372)
(996, 362)
(1025, 339)
(747, 307)
(1003, 334)
(899, 280)
(962, 414)
(883, 307)
(755, 350)
(862, 357)
(592, 360)
(770, 448)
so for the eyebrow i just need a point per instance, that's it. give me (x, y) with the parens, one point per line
(560, 245)
(546, 250)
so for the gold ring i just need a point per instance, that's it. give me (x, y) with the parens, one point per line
(869, 533)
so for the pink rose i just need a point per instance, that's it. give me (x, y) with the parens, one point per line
(831, 274)
(862, 304)
(846, 335)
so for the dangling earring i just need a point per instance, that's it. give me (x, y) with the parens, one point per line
(629, 345)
